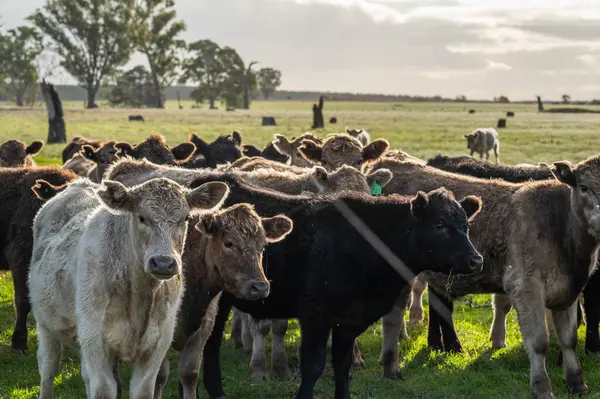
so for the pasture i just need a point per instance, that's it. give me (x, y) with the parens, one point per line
(420, 129)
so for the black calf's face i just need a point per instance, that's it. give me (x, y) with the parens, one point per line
(440, 241)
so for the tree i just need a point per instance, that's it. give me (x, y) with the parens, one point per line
(249, 80)
(566, 98)
(92, 37)
(133, 88)
(19, 49)
(461, 98)
(156, 36)
(218, 71)
(269, 80)
(501, 100)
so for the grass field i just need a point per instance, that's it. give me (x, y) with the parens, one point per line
(420, 129)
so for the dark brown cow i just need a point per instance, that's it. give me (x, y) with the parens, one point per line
(75, 145)
(18, 207)
(156, 150)
(15, 154)
(539, 242)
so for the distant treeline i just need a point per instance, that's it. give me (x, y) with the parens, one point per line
(76, 93)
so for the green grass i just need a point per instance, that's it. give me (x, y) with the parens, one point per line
(422, 130)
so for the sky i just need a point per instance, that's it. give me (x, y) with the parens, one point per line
(477, 48)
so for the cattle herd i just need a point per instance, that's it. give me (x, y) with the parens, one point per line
(128, 250)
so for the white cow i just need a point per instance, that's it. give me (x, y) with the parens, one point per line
(106, 277)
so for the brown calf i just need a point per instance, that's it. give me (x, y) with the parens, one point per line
(539, 241)
(342, 149)
(75, 145)
(18, 207)
(15, 154)
(291, 148)
(156, 150)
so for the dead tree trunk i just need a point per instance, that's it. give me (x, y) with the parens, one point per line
(318, 121)
(540, 105)
(56, 121)
(247, 77)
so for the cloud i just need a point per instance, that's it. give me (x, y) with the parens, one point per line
(588, 60)
(497, 66)
(451, 74)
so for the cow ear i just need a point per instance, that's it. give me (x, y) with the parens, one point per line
(44, 190)
(200, 144)
(564, 173)
(210, 195)
(183, 151)
(88, 152)
(208, 225)
(250, 151)
(277, 227)
(125, 149)
(466, 136)
(375, 149)
(116, 197)
(236, 137)
(419, 204)
(472, 205)
(282, 145)
(320, 173)
(34, 148)
(311, 151)
(381, 176)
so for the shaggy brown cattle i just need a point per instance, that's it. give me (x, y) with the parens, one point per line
(342, 149)
(102, 158)
(75, 145)
(18, 207)
(15, 154)
(269, 153)
(539, 242)
(400, 155)
(291, 148)
(225, 149)
(465, 165)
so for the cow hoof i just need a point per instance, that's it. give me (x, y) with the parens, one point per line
(578, 389)
(415, 318)
(392, 375)
(498, 346)
(283, 374)
(359, 364)
(258, 378)
(19, 352)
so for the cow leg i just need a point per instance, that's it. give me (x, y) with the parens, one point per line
(487, 155)
(313, 353)
(19, 268)
(416, 301)
(162, 378)
(258, 362)
(145, 372)
(530, 311)
(99, 369)
(591, 304)
(341, 358)
(434, 331)
(279, 360)
(246, 333)
(236, 328)
(190, 360)
(49, 353)
(117, 378)
(496, 153)
(565, 324)
(357, 360)
(449, 335)
(394, 330)
(501, 306)
(212, 378)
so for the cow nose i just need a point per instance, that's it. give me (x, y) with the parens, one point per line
(476, 262)
(258, 290)
(163, 265)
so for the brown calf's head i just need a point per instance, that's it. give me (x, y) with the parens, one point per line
(343, 149)
(156, 150)
(292, 148)
(440, 239)
(103, 157)
(349, 178)
(584, 180)
(158, 211)
(14, 153)
(237, 239)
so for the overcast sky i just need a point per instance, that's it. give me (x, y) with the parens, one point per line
(480, 48)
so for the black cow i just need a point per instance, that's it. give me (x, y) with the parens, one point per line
(226, 148)
(269, 153)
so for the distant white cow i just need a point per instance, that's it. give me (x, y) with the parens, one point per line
(482, 141)
(106, 277)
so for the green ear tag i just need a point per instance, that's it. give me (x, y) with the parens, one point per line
(375, 188)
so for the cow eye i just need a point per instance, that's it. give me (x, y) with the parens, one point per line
(142, 219)
(583, 188)
(227, 244)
